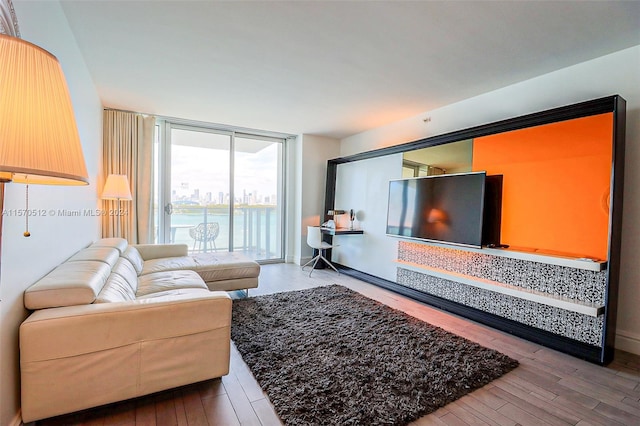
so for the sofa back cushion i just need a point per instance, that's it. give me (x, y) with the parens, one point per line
(157, 251)
(71, 283)
(116, 289)
(107, 255)
(133, 256)
(125, 269)
(117, 243)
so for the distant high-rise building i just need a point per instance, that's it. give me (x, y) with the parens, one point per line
(208, 197)
(220, 197)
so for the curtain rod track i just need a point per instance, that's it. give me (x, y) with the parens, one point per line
(208, 125)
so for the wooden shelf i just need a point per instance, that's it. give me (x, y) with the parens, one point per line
(341, 231)
(529, 255)
(573, 305)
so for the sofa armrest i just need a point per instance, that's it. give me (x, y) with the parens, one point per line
(156, 251)
(74, 330)
(78, 357)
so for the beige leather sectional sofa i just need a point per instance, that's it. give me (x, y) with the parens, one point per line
(115, 322)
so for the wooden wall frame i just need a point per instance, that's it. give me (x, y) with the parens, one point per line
(611, 104)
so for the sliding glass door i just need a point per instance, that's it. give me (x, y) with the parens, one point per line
(222, 191)
(199, 168)
(258, 210)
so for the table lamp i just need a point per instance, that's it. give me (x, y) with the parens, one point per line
(117, 188)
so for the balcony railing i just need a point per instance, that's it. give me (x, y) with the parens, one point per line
(256, 229)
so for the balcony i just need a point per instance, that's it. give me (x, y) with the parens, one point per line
(256, 229)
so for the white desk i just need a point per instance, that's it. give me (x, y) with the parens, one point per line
(341, 231)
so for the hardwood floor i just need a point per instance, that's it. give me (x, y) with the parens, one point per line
(548, 388)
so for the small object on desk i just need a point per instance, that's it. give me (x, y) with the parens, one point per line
(497, 245)
(330, 224)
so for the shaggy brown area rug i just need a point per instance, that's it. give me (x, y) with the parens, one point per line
(331, 356)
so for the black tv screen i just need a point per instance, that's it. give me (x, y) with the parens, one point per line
(443, 208)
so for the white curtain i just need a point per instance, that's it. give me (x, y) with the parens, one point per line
(128, 150)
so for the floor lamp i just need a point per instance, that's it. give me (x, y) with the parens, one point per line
(39, 141)
(117, 188)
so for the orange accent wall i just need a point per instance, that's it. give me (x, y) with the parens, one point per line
(555, 186)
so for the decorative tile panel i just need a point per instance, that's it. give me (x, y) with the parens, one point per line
(583, 328)
(579, 284)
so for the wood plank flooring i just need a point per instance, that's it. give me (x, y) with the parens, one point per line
(548, 388)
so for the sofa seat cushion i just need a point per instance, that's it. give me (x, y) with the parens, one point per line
(160, 282)
(71, 283)
(168, 294)
(168, 264)
(225, 266)
(220, 266)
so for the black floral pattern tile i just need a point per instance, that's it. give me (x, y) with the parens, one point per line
(577, 284)
(580, 327)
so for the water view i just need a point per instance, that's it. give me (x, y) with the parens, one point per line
(255, 229)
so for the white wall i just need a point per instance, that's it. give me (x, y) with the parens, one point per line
(363, 187)
(311, 156)
(617, 73)
(53, 238)
(293, 208)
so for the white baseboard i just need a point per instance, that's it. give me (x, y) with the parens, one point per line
(627, 341)
(299, 260)
(303, 260)
(17, 420)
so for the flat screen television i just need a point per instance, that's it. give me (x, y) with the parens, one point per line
(443, 208)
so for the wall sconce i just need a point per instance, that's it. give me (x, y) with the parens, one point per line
(38, 133)
(437, 216)
(117, 188)
(40, 141)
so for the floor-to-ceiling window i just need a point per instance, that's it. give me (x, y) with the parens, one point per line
(221, 190)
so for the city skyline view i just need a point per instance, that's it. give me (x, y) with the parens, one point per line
(200, 169)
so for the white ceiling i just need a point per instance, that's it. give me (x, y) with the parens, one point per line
(331, 68)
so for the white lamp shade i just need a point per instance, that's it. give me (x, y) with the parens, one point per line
(116, 188)
(39, 141)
